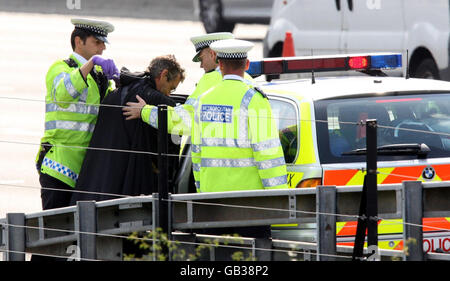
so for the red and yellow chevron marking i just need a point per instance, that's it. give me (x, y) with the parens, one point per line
(385, 175)
(389, 245)
(393, 226)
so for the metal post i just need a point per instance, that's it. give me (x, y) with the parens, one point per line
(372, 201)
(368, 211)
(163, 192)
(412, 210)
(263, 246)
(15, 244)
(326, 223)
(162, 167)
(86, 223)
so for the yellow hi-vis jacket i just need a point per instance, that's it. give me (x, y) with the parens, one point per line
(207, 81)
(71, 109)
(235, 136)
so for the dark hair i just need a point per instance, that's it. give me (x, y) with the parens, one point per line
(235, 64)
(83, 34)
(169, 62)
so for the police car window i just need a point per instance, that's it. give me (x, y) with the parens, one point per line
(286, 117)
(402, 119)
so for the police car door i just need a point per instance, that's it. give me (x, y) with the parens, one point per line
(318, 25)
(373, 26)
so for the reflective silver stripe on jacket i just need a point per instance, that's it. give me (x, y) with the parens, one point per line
(196, 167)
(153, 118)
(196, 148)
(243, 114)
(70, 87)
(226, 142)
(271, 163)
(60, 168)
(191, 101)
(241, 143)
(274, 181)
(267, 144)
(74, 108)
(184, 115)
(70, 125)
(228, 163)
(65, 77)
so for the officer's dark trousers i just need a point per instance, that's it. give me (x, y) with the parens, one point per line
(53, 199)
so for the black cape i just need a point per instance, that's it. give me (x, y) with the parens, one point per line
(124, 173)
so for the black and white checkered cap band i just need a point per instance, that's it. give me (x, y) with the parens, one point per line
(203, 44)
(91, 28)
(232, 56)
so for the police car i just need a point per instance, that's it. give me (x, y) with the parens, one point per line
(321, 118)
(418, 28)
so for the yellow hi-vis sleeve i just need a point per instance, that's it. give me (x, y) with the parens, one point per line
(179, 118)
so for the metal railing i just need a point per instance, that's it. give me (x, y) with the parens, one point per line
(97, 229)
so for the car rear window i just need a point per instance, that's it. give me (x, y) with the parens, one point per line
(403, 119)
(285, 114)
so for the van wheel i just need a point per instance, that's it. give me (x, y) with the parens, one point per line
(211, 17)
(426, 69)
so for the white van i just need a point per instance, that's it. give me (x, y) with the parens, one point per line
(361, 26)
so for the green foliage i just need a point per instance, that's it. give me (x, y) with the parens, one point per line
(157, 247)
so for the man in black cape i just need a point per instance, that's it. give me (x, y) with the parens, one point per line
(105, 173)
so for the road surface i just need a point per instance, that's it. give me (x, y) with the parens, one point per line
(32, 41)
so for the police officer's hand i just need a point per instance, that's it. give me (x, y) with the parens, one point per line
(133, 109)
(108, 66)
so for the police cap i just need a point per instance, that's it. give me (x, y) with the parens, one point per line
(99, 29)
(232, 48)
(204, 41)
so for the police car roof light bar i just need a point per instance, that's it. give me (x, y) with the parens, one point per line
(361, 62)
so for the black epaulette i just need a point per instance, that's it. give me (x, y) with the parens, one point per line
(71, 63)
(261, 92)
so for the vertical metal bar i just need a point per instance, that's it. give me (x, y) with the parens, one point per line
(368, 211)
(41, 228)
(262, 251)
(326, 222)
(361, 227)
(372, 200)
(86, 225)
(169, 225)
(15, 244)
(412, 220)
(155, 224)
(162, 167)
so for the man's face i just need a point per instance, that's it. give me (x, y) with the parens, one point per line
(207, 59)
(167, 87)
(91, 47)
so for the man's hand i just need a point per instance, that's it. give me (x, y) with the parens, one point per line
(133, 109)
(108, 67)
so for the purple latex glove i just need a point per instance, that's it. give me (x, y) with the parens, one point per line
(108, 67)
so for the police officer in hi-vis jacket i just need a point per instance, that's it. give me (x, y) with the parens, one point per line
(75, 88)
(232, 128)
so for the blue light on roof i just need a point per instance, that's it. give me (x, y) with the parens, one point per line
(281, 65)
(255, 68)
(386, 61)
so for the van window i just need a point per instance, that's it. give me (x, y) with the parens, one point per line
(402, 119)
(286, 118)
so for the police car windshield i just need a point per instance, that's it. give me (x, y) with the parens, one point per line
(403, 118)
